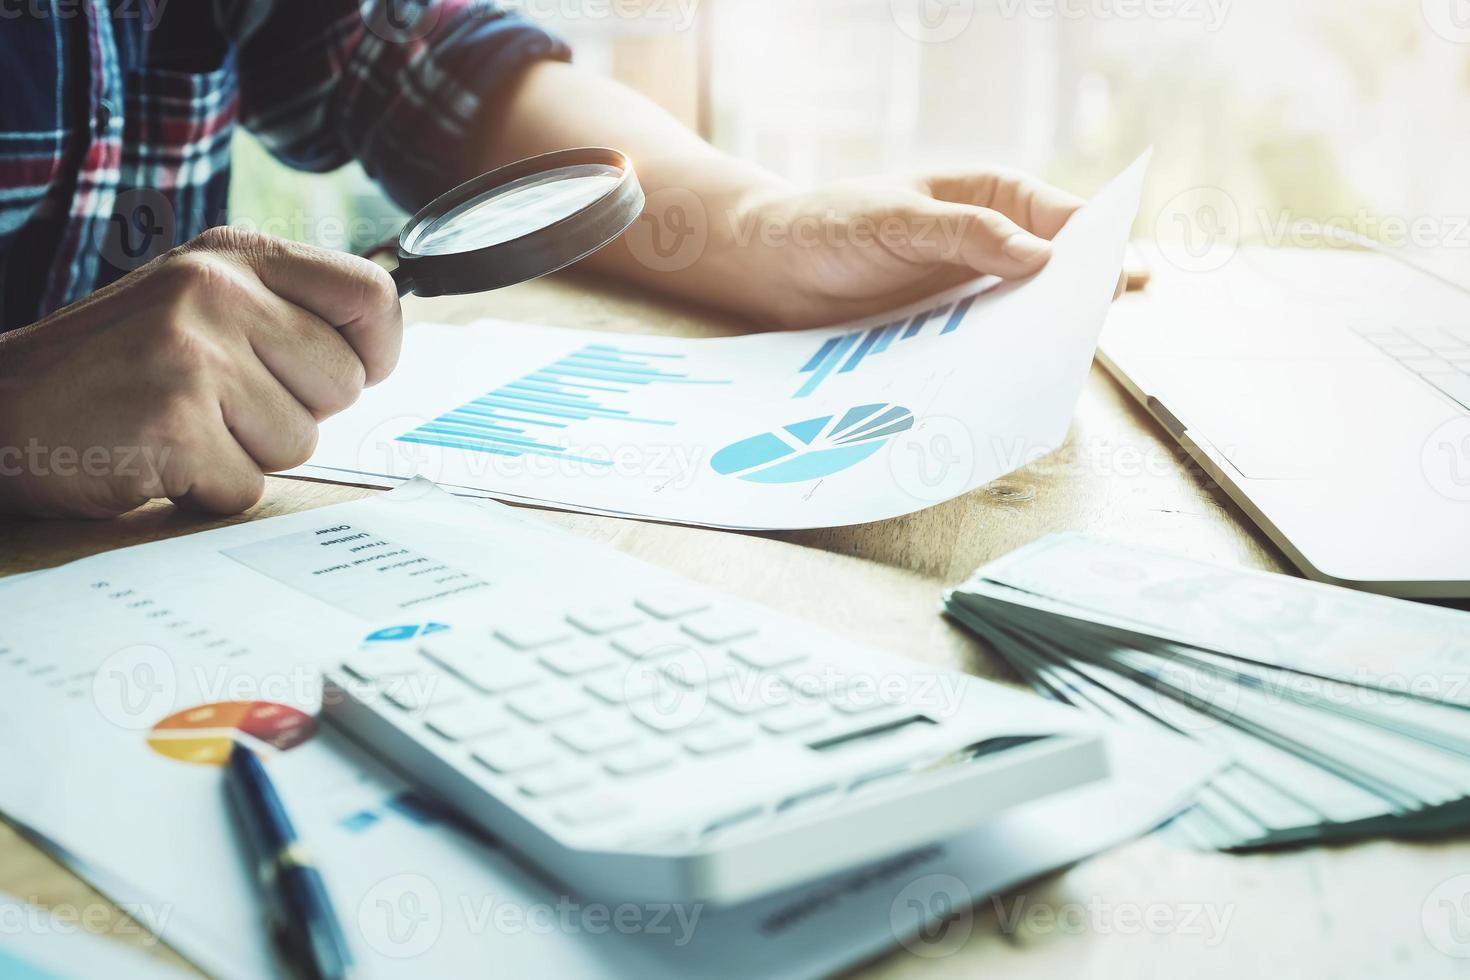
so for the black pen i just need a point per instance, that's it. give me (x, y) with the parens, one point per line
(301, 913)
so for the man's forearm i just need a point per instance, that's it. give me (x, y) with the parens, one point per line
(729, 233)
(696, 193)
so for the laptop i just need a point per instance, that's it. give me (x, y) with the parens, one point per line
(1327, 392)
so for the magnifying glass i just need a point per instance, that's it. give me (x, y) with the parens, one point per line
(518, 223)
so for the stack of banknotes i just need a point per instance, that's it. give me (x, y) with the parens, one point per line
(1340, 715)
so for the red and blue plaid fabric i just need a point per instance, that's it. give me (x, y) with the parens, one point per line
(116, 116)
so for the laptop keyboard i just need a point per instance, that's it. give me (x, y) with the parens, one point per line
(1439, 355)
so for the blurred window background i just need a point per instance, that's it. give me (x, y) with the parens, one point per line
(1354, 111)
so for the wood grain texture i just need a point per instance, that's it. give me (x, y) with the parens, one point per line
(1143, 910)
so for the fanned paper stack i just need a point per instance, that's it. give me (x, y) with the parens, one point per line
(1344, 715)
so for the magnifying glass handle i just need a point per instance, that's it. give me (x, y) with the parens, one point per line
(403, 280)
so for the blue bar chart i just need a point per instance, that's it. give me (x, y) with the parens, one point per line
(531, 415)
(845, 353)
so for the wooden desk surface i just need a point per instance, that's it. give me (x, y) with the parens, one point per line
(1143, 910)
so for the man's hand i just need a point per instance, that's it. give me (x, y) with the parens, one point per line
(858, 247)
(191, 378)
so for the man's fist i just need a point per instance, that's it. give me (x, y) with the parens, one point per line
(191, 378)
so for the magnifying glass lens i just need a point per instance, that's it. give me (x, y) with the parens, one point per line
(517, 209)
(518, 223)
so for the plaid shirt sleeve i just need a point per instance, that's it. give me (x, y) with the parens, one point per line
(394, 84)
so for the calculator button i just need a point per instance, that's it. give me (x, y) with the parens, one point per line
(880, 779)
(686, 711)
(466, 645)
(715, 626)
(626, 686)
(765, 654)
(420, 692)
(793, 718)
(652, 640)
(749, 694)
(636, 760)
(717, 739)
(670, 605)
(554, 781)
(375, 664)
(860, 698)
(548, 704)
(814, 680)
(696, 668)
(588, 812)
(582, 657)
(533, 633)
(721, 824)
(807, 799)
(514, 753)
(488, 674)
(592, 735)
(598, 620)
(467, 720)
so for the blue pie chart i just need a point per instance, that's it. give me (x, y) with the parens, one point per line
(813, 448)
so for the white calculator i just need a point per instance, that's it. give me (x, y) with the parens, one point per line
(653, 740)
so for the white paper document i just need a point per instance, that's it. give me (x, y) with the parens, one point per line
(125, 679)
(844, 425)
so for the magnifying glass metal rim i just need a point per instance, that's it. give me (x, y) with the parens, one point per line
(529, 256)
